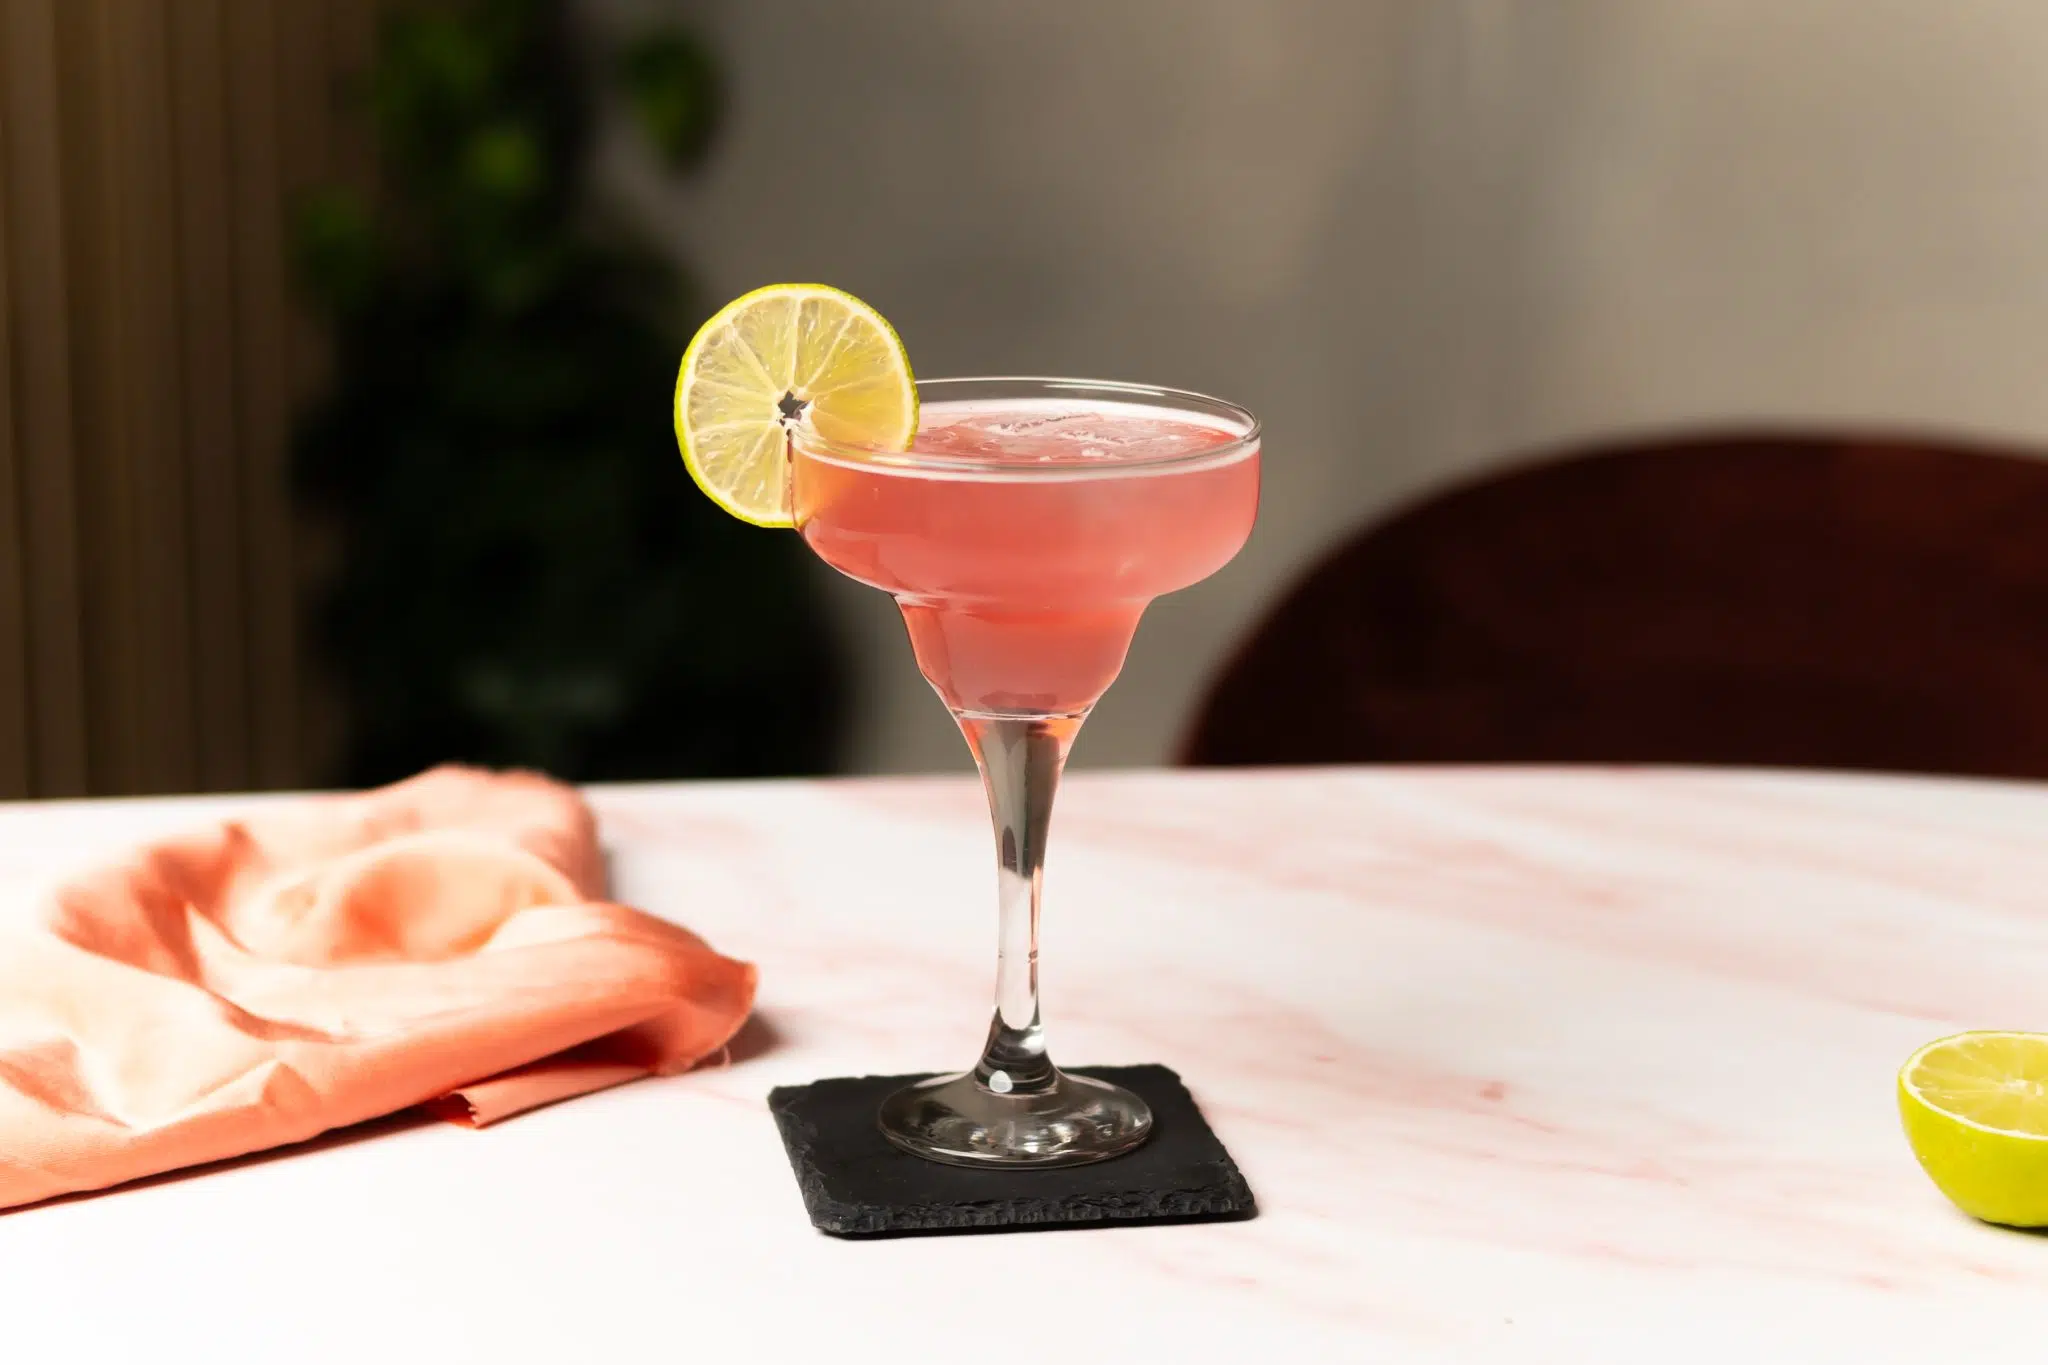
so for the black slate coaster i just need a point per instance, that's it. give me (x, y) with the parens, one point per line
(855, 1184)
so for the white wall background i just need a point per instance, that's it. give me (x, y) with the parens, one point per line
(1415, 235)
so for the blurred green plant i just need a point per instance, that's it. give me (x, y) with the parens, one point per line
(529, 576)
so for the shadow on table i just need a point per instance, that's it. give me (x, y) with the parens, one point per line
(339, 1137)
(756, 1037)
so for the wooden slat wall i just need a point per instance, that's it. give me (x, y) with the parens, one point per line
(150, 359)
(14, 697)
(48, 646)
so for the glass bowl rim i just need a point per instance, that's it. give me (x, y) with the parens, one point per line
(1244, 426)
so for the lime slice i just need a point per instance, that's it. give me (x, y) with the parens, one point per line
(1976, 1111)
(785, 354)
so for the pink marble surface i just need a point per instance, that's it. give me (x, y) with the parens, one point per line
(1523, 1065)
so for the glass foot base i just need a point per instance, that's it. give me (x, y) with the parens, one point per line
(960, 1121)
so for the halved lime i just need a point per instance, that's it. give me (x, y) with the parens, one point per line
(1975, 1108)
(780, 355)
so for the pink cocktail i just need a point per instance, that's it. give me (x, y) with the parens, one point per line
(1023, 540)
(1023, 534)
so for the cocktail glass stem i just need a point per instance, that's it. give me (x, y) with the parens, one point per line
(1016, 1108)
(1021, 758)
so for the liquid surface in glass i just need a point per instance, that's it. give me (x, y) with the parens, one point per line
(1023, 539)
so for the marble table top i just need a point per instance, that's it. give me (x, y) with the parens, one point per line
(1523, 1065)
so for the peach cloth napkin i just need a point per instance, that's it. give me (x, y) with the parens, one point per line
(442, 941)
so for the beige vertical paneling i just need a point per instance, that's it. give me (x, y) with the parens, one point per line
(39, 321)
(100, 398)
(206, 265)
(14, 714)
(151, 355)
(261, 336)
(145, 239)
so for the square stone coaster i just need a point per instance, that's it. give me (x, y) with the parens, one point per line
(856, 1184)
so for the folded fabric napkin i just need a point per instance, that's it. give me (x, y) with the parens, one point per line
(443, 941)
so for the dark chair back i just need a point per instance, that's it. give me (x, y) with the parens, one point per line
(1778, 600)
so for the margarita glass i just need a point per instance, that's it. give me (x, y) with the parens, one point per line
(1023, 533)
